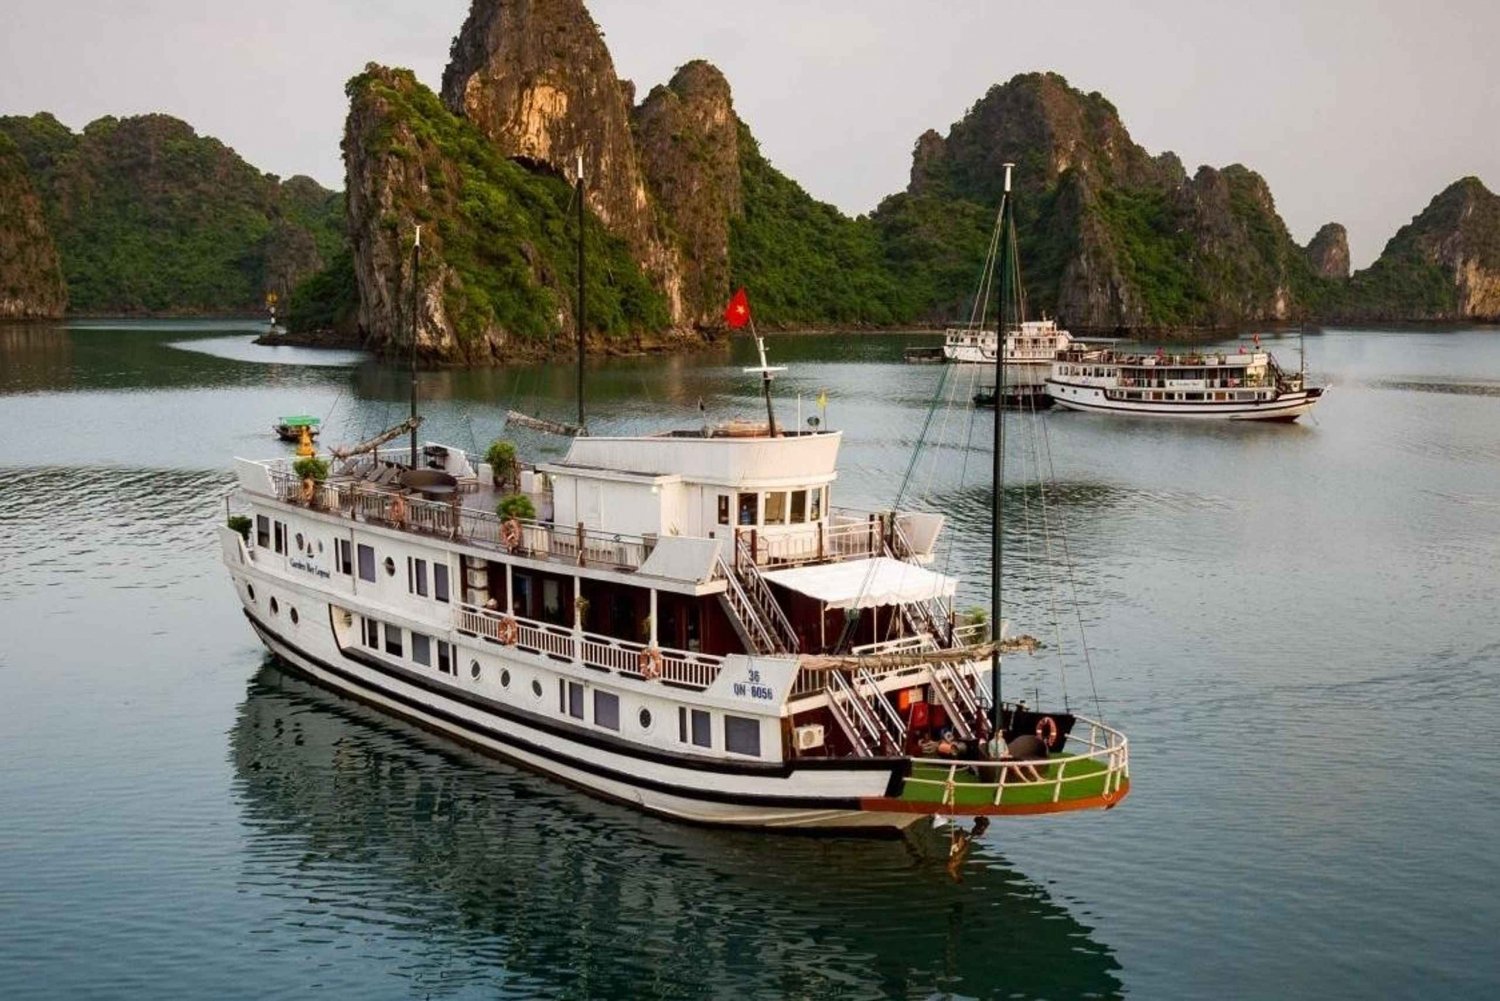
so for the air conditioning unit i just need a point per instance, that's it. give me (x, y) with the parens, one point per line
(809, 737)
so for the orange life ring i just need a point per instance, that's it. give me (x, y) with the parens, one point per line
(508, 630)
(649, 662)
(397, 511)
(510, 533)
(309, 490)
(1046, 731)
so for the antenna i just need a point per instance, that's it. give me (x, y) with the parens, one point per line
(765, 376)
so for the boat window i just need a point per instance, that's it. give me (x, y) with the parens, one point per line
(390, 566)
(799, 506)
(421, 649)
(573, 692)
(372, 634)
(522, 584)
(393, 640)
(749, 509)
(504, 677)
(606, 710)
(281, 537)
(342, 556)
(263, 531)
(645, 718)
(702, 729)
(742, 735)
(440, 581)
(474, 669)
(815, 513)
(301, 542)
(776, 507)
(366, 562)
(445, 657)
(723, 509)
(275, 608)
(416, 576)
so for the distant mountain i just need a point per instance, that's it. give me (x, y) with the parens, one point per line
(148, 216)
(144, 215)
(1443, 265)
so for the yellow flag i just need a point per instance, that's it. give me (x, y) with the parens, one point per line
(822, 398)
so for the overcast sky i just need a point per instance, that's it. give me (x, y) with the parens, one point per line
(1354, 112)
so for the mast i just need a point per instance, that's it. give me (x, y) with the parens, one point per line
(580, 291)
(416, 263)
(1007, 265)
(765, 371)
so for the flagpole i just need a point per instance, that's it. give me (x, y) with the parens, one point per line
(765, 377)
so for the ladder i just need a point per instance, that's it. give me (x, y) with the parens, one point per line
(861, 724)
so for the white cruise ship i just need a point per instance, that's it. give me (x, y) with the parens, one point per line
(1035, 343)
(1244, 385)
(668, 631)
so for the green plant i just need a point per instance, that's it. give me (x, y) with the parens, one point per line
(516, 506)
(501, 456)
(311, 468)
(241, 523)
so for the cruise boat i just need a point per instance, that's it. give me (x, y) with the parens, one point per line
(1033, 343)
(685, 621)
(1243, 384)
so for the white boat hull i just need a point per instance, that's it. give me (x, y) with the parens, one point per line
(798, 798)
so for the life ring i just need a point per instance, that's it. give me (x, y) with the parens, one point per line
(508, 630)
(1046, 731)
(649, 662)
(510, 533)
(309, 490)
(397, 511)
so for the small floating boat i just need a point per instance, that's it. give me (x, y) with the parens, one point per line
(290, 428)
(1026, 396)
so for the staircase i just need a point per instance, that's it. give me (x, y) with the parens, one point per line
(957, 698)
(868, 734)
(753, 610)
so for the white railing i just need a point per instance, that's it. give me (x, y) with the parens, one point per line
(759, 593)
(1104, 745)
(537, 540)
(604, 653)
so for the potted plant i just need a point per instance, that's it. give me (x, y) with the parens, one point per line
(241, 523)
(504, 470)
(311, 468)
(516, 506)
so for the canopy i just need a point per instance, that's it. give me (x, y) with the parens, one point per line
(865, 583)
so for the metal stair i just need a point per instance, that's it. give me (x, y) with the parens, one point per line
(861, 724)
(752, 629)
(955, 696)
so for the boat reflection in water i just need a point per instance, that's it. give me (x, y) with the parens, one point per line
(457, 873)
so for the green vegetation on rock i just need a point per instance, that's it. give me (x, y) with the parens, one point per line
(148, 216)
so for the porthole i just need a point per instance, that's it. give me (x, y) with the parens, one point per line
(249, 590)
(536, 688)
(390, 567)
(645, 718)
(293, 613)
(274, 607)
(504, 678)
(320, 546)
(474, 669)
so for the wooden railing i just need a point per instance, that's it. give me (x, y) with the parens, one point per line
(604, 653)
(536, 539)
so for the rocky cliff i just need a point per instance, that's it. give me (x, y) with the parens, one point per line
(148, 216)
(1328, 251)
(498, 264)
(31, 282)
(1443, 265)
(536, 79)
(688, 137)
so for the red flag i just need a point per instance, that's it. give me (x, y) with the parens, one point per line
(737, 313)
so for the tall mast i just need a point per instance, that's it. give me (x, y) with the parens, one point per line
(1007, 266)
(416, 263)
(580, 292)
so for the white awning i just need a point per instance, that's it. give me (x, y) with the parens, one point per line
(865, 583)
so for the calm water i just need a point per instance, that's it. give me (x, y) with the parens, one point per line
(1296, 625)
